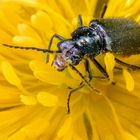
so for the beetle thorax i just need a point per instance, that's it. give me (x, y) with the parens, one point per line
(89, 45)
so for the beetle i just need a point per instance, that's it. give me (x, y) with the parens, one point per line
(120, 36)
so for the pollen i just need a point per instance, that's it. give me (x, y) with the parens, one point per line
(110, 64)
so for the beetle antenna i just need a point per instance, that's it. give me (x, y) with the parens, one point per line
(31, 48)
(103, 10)
(80, 21)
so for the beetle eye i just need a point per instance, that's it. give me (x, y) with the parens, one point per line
(75, 60)
(65, 45)
(73, 56)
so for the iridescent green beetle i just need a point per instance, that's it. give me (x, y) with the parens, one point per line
(120, 36)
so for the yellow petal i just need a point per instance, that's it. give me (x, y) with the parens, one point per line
(47, 99)
(10, 74)
(28, 100)
(25, 41)
(26, 30)
(41, 21)
(129, 136)
(48, 74)
(129, 80)
(65, 127)
(35, 128)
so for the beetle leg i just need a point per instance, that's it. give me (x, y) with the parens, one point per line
(83, 78)
(82, 84)
(70, 93)
(133, 67)
(80, 21)
(50, 43)
(100, 68)
(89, 73)
(103, 11)
(88, 69)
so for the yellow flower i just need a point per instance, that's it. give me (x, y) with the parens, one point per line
(33, 94)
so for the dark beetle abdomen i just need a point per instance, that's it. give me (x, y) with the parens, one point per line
(124, 35)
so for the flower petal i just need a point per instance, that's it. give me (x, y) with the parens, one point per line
(41, 21)
(47, 99)
(28, 100)
(10, 74)
(25, 41)
(26, 30)
(48, 74)
(65, 127)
